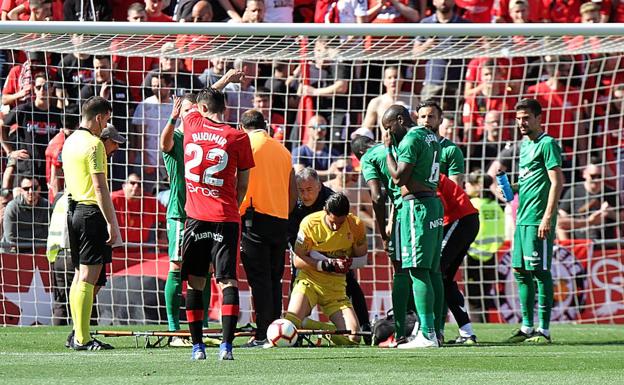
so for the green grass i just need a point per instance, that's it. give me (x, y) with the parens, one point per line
(580, 354)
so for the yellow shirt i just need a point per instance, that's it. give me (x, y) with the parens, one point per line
(269, 179)
(83, 155)
(315, 234)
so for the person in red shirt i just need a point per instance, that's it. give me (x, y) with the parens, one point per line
(201, 13)
(461, 226)
(477, 11)
(217, 159)
(138, 213)
(262, 103)
(562, 11)
(612, 10)
(491, 94)
(54, 163)
(562, 104)
(531, 11)
(154, 11)
(18, 87)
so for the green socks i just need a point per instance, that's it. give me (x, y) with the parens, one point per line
(400, 297)
(526, 292)
(424, 299)
(544, 297)
(173, 299)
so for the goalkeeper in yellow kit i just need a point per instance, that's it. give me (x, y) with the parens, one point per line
(329, 243)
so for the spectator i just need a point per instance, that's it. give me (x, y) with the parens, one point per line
(26, 217)
(347, 182)
(590, 13)
(448, 128)
(476, 11)
(149, 117)
(233, 9)
(18, 85)
(94, 10)
(486, 150)
(120, 9)
(393, 83)
(329, 88)
(481, 261)
(117, 94)
(561, 11)
(212, 74)
(490, 94)
(54, 163)
(314, 153)
(279, 11)
(34, 10)
(612, 10)
(8, 5)
(170, 63)
(518, 11)
(239, 96)
(271, 196)
(442, 76)
(254, 12)
(262, 103)
(154, 8)
(393, 11)
(138, 213)
(589, 210)
(562, 106)
(342, 11)
(6, 196)
(201, 13)
(37, 123)
(131, 69)
(76, 70)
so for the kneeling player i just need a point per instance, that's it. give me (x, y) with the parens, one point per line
(329, 243)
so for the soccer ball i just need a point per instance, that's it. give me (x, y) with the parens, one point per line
(282, 333)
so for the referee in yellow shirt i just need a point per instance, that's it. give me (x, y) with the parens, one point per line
(91, 217)
(271, 196)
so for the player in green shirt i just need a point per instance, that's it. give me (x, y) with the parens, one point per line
(416, 170)
(452, 164)
(171, 144)
(372, 158)
(539, 188)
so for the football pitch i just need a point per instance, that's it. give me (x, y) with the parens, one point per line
(580, 354)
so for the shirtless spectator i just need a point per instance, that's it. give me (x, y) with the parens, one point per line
(393, 83)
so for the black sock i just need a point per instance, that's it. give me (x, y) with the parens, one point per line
(229, 313)
(195, 314)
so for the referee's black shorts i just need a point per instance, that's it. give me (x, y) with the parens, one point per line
(88, 234)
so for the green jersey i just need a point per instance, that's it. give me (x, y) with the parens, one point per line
(536, 158)
(174, 163)
(451, 158)
(420, 147)
(374, 166)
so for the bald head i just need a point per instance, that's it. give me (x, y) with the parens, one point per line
(397, 120)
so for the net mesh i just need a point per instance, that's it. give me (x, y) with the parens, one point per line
(349, 83)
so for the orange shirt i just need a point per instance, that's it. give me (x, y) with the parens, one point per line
(270, 178)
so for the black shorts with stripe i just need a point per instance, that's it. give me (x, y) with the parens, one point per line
(88, 233)
(210, 242)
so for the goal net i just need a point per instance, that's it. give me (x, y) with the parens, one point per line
(318, 87)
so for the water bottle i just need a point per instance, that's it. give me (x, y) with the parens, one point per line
(503, 182)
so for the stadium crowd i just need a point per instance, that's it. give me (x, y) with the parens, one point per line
(582, 96)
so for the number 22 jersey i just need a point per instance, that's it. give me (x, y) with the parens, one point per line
(213, 153)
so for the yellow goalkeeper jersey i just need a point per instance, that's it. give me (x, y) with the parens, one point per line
(315, 235)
